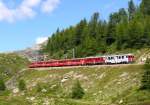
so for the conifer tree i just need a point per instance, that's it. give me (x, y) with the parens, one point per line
(145, 7)
(131, 9)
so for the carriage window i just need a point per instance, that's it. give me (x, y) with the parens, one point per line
(119, 57)
(122, 57)
(112, 57)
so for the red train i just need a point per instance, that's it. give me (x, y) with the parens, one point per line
(109, 59)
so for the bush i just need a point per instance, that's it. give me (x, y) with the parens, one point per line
(146, 76)
(2, 85)
(39, 88)
(77, 91)
(22, 85)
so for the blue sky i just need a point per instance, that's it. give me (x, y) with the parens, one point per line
(26, 22)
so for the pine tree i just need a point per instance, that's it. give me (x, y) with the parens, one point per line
(131, 9)
(121, 35)
(123, 16)
(111, 30)
(145, 7)
(79, 32)
(135, 33)
(93, 25)
(146, 35)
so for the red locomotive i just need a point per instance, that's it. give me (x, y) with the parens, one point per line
(109, 59)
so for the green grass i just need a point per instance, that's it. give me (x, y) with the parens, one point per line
(10, 64)
(102, 85)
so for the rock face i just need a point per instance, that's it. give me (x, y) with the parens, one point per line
(16, 90)
(44, 90)
(31, 53)
(143, 57)
(11, 84)
(64, 79)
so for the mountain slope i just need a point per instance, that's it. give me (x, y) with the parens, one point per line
(102, 85)
(10, 64)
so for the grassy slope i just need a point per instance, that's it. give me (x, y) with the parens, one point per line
(10, 64)
(102, 85)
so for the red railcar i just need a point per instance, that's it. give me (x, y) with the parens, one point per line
(68, 62)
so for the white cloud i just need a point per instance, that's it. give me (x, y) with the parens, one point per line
(30, 3)
(40, 40)
(49, 5)
(26, 9)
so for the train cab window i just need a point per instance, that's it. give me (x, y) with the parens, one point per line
(119, 57)
(112, 57)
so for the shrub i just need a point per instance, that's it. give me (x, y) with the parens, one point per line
(22, 85)
(39, 88)
(77, 90)
(2, 85)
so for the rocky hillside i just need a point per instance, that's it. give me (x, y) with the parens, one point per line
(111, 85)
(30, 53)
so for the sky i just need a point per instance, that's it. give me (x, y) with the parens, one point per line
(24, 23)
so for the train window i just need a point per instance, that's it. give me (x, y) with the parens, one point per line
(122, 57)
(119, 57)
(112, 57)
